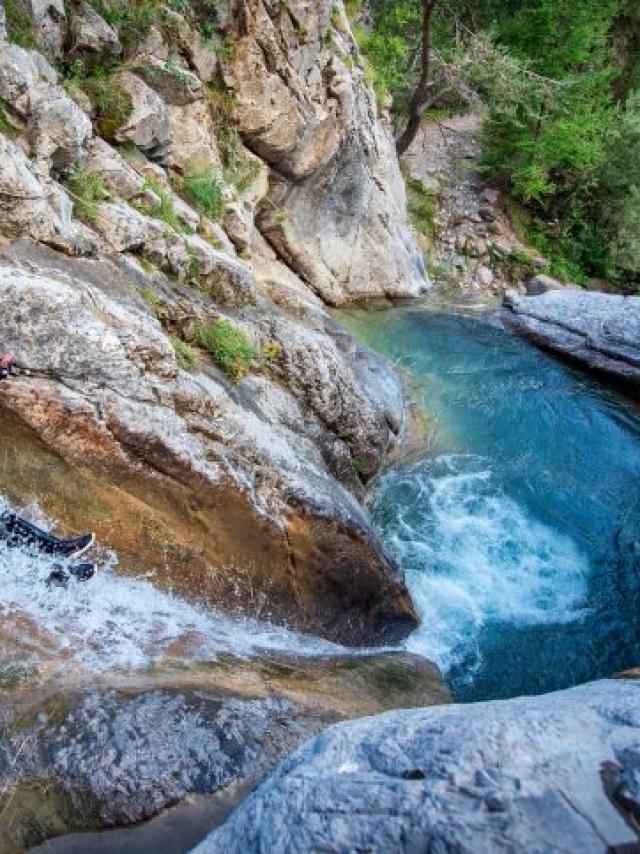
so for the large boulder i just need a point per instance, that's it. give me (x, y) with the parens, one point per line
(598, 331)
(206, 461)
(555, 773)
(336, 207)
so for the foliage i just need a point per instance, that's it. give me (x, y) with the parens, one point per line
(166, 210)
(556, 80)
(422, 207)
(186, 356)
(87, 189)
(231, 348)
(131, 18)
(205, 190)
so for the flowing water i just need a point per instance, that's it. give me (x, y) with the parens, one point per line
(116, 622)
(518, 523)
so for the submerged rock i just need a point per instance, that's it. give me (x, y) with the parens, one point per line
(538, 774)
(120, 753)
(599, 331)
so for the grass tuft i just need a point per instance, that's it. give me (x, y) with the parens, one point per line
(87, 189)
(230, 347)
(206, 192)
(186, 356)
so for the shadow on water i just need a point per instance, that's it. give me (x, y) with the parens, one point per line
(519, 527)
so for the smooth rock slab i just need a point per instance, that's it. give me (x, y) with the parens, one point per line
(599, 331)
(538, 774)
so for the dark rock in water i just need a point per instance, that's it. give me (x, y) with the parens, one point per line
(599, 331)
(518, 775)
(83, 759)
(135, 755)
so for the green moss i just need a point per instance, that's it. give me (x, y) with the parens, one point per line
(157, 305)
(205, 191)
(87, 189)
(19, 29)
(6, 125)
(241, 169)
(185, 354)
(423, 208)
(230, 347)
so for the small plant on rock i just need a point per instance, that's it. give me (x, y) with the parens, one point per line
(7, 127)
(206, 192)
(19, 27)
(186, 356)
(230, 347)
(112, 104)
(87, 190)
(166, 210)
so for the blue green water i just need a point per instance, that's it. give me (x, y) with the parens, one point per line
(518, 523)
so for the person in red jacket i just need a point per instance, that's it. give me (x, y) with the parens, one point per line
(7, 363)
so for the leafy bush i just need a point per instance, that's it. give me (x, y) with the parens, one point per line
(87, 189)
(206, 192)
(230, 347)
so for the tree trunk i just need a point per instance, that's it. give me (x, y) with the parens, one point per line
(419, 98)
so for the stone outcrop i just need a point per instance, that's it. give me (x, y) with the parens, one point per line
(262, 514)
(598, 331)
(335, 208)
(554, 773)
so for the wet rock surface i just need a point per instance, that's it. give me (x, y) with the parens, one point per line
(496, 776)
(599, 331)
(117, 754)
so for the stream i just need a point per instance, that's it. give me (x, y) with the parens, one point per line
(517, 520)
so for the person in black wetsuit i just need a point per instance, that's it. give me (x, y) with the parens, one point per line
(19, 533)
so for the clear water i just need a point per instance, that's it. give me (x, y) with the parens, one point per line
(518, 526)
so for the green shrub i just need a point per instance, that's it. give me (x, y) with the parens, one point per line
(186, 356)
(230, 347)
(205, 191)
(87, 189)
(132, 18)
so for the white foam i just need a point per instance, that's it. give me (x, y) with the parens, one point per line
(474, 557)
(114, 621)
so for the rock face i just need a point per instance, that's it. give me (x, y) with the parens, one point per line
(554, 773)
(598, 331)
(335, 208)
(173, 143)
